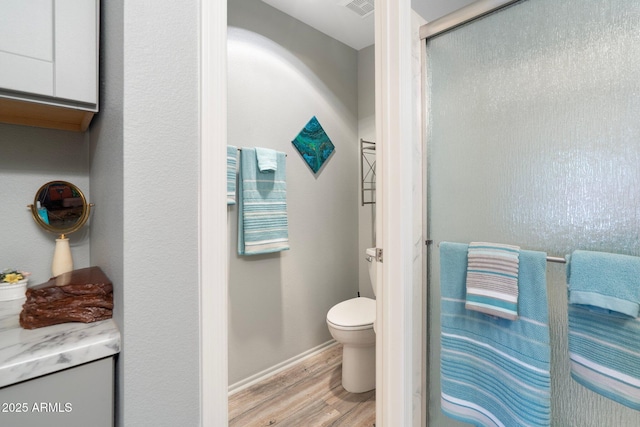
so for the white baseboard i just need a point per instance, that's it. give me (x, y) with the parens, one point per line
(263, 375)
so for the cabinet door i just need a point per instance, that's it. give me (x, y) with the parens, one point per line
(40, 57)
(76, 397)
(26, 46)
(76, 47)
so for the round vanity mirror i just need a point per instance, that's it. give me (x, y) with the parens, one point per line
(60, 207)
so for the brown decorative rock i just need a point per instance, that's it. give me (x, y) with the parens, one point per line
(84, 295)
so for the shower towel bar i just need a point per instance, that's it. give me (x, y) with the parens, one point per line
(557, 259)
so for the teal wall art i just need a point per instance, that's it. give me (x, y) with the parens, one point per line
(313, 144)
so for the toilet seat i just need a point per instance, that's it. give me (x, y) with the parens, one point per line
(353, 314)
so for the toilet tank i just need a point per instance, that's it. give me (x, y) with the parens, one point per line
(371, 259)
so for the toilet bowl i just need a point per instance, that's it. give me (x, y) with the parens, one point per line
(351, 323)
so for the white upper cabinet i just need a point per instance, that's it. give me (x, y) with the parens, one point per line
(26, 46)
(49, 51)
(76, 50)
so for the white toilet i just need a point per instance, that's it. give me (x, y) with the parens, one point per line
(351, 324)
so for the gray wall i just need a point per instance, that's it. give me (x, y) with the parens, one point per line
(30, 157)
(366, 131)
(160, 247)
(107, 175)
(281, 73)
(144, 171)
(434, 9)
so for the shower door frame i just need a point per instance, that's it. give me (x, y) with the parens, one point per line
(394, 370)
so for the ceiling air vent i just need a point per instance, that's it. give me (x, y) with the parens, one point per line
(361, 7)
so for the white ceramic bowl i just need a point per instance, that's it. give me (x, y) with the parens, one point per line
(11, 291)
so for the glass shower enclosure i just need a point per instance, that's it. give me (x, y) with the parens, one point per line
(533, 139)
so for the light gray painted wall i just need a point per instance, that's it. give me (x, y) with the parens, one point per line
(144, 169)
(434, 9)
(160, 213)
(30, 157)
(107, 176)
(281, 73)
(366, 131)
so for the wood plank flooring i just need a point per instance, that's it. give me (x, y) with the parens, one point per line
(309, 394)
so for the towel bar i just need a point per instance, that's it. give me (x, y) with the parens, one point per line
(367, 172)
(240, 149)
(557, 259)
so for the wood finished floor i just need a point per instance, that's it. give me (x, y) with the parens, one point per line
(308, 394)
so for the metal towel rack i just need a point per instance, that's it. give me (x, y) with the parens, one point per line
(555, 259)
(367, 172)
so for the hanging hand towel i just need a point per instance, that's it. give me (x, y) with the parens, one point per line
(267, 159)
(604, 280)
(492, 279)
(495, 372)
(262, 206)
(232, 170)
(604, 330)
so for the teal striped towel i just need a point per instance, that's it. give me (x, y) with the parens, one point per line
(492, 279)
(495, 372)
(232, 170)
(262, 206)
(604, 328)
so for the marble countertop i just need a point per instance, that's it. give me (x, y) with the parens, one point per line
(26, 354)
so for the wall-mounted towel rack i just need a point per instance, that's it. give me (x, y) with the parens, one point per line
(240, 149)
(367, 172)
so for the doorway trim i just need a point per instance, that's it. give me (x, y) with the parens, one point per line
(393, 128)
(213, 214)
(394, 344)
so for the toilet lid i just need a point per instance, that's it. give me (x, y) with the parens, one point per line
(354, 312)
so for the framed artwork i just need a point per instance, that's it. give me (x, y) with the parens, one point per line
(314, 144)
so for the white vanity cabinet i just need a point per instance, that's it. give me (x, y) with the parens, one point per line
(49, 62)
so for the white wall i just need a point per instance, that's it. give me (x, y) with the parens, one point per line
(281, 73)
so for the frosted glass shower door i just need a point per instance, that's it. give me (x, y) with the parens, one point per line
(533, 139)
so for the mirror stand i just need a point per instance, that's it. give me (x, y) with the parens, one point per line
(60, 207)
(62, 259)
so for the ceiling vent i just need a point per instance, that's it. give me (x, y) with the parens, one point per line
(362, 7)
